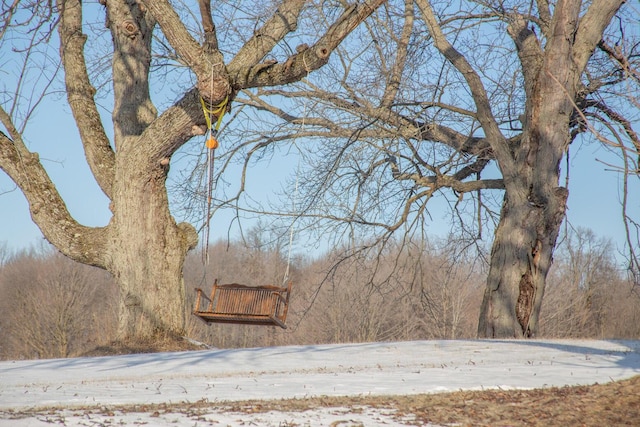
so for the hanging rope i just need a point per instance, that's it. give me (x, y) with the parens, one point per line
(291, 230)
(211, 145)
(295, 193)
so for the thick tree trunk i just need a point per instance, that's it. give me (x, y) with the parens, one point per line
(534, 205)
(532, 212)
(533, 209)
(147, 248)
(147, 252)
(520, 259)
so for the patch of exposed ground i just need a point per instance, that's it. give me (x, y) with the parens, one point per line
(152, 345)
(612, 404)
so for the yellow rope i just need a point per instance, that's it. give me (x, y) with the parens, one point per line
(217, 111)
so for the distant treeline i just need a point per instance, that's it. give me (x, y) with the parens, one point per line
(54, 307)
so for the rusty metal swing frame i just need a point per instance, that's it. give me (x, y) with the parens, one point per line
(241, 304)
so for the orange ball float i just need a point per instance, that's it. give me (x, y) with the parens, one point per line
(212, 143)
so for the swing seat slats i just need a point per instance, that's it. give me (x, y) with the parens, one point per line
(241, 304)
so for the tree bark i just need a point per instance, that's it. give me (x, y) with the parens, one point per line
(520, 259)
(147, 251)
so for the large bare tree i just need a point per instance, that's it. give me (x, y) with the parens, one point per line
(474, 99)
(142, 245)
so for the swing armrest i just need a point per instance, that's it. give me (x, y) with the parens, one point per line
(201, 294)
(287, 292)
(283, 296)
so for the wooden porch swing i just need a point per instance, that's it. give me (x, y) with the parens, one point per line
(235, 303)
(241, 304)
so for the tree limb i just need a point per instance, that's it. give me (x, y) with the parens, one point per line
(176, 33)
(264, 39)
(302, 63)
(455, 181)
(174, 127)
(210, 36)
(80, 93)
(591, 27)
(544, 13)
(529, 51)
(48, 210)
(206, 62)
(401, 125)
(618, 56)
(395, 75)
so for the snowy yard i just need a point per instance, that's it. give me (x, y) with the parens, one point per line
(93, 391)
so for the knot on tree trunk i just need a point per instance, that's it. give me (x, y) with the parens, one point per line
(132, 300)
(130, 28)
(190, 235)
(214, 90)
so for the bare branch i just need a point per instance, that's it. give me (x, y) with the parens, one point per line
(177, 34)
(529, 50)
(395, 74)
(210, 37)
(591, 27)
(617, 54)
(494, 136)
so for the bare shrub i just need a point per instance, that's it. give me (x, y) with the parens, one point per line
(587, 296)
(402, 292)
(53, 307)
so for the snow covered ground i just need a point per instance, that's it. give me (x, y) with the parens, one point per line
(87, 391)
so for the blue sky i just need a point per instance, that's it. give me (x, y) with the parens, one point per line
(594, 200)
